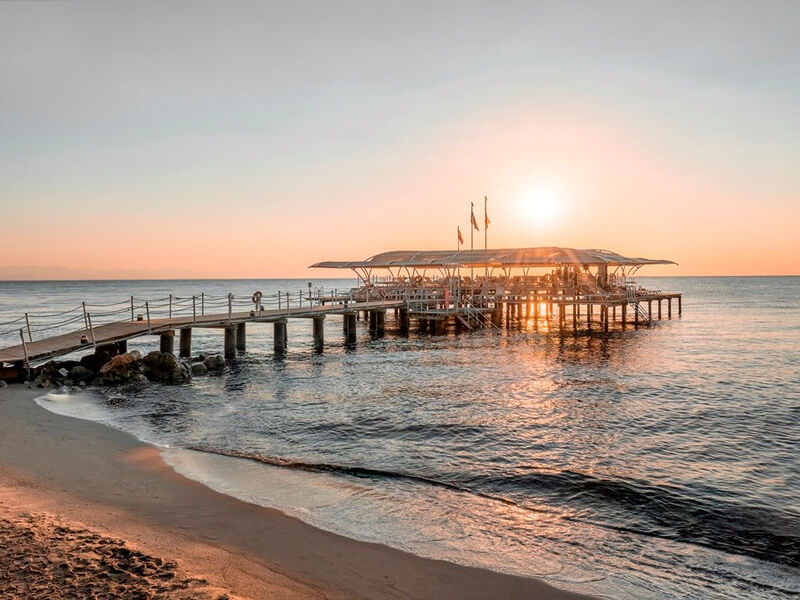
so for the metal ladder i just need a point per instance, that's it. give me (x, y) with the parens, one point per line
(630, 292)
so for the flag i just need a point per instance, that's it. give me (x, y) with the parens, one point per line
(472, 218)
(486, 220)
(460, 239)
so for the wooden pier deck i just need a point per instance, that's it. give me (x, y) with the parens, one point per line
(60, 345)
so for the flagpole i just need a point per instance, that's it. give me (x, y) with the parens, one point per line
(458, 251)
(471, 233)
(485, 237)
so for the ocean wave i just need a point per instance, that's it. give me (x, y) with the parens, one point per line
(622, 505)
(665, 511)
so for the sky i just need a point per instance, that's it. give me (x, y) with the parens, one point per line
(252, 139)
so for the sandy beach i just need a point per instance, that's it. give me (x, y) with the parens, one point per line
(89, 511)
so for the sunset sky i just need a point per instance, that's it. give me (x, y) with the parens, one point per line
(253, 139)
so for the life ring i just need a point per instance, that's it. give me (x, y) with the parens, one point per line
(257, 297)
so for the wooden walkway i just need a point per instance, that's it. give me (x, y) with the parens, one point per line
(67, 343)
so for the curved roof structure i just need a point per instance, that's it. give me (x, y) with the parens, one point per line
(543, 256)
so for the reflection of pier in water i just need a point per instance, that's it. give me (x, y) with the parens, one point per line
(573, 290)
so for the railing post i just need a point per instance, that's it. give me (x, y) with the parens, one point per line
(147, 308)
(85, 321)
(91, 329)
(170, 306)
(24, 348)
(132, 317)
(230, 306)
(279, 299)
(28, 324)
(203, 304)
(194, 309)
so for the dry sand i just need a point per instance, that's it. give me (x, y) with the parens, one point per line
(87, 511)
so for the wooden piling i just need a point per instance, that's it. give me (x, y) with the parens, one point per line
(230, 342)
(669, 308)
(185, 344)
(405, 320)
(319, 333)
(279, 335)
(380, 322)
(167, 342)
(351, 332)
(241, 337)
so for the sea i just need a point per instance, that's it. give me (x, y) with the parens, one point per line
(658, 462)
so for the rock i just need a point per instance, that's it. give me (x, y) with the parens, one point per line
(164, 367)
(122, 368)
(41, 376)
(63, 372)
(215, 363)
(91, 362)
(199, 368)
(81, 373)
(199, 358)
(97, 381)
(66, 364)
(3, 385)
(139, 378)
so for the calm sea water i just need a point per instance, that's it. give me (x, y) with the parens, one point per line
(658, 463)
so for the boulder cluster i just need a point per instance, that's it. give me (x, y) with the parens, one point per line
(107, 367)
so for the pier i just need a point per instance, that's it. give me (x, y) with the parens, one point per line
(560, 289)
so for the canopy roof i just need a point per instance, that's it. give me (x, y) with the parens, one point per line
(543, 256)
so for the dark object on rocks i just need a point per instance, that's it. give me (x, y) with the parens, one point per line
(165, 368)
(81, 373)
(215, 363)
(122, 368)
(199, 368)
(101, 356)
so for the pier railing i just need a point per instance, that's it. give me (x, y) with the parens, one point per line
(35, 325)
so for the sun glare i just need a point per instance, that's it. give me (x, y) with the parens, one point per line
(541, 205)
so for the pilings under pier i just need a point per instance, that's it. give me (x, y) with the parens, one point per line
(350, 332)
(319, 333)
(241, 337)
(167, 342)
(186, 342)
(230, 342)
(280, 337)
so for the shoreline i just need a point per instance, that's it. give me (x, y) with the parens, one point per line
(94, 476)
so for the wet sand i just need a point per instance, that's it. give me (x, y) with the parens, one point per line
(82, 504)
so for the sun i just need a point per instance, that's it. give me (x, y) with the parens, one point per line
(541, 204)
